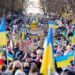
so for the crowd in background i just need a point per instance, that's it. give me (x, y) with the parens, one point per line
(27, 60)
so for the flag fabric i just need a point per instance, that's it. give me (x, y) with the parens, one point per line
(10, 56)
(47, 66)
(33, 26)
(67, 52)
(3, 38)
(71, 56)
(62, 61)
(73, 39)
(52, 24)
(1, 52)
(23, 34)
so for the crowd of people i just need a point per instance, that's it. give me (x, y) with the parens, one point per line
(27, 52)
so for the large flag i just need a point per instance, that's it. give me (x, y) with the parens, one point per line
(3, 38)
(73, 39)
(64, 61)
(47, 66)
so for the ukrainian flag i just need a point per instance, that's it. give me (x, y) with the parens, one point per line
(62, 61)
(71, 56)
(73, 39)
(52, 24)
(47, 66)
(1, 52)
(10, 57)
(3, 38)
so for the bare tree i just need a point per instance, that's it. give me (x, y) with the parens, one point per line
(43, 5)
(53, 5)
(25, 5)
(10, 5)
(72, 4)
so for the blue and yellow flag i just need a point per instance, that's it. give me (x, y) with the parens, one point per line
(73, 39)
(62, 61)
(3, 38)
(52, 24)
(71, 56)
(47, 66)
(1, 52)
(10, 57)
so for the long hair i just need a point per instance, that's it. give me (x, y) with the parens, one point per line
(33, 68)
